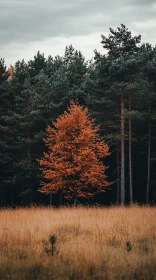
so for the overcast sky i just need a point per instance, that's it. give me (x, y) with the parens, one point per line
(27, 26)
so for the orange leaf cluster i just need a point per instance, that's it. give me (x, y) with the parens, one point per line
(73, 163)
(11, 71)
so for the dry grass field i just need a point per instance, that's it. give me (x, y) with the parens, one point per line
(93, 243)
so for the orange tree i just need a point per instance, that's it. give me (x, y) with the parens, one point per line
(74, 161)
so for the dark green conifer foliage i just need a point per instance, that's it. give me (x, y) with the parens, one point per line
(6, 151)
(115, 72)
(40, 90)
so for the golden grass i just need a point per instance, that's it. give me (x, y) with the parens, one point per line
(91, 243)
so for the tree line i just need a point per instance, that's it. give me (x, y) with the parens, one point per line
(119, 90)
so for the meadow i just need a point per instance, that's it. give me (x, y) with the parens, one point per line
(92, 243)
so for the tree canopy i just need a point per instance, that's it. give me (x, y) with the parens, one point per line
(117, 86)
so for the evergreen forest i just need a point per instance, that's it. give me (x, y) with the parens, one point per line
(117, 86)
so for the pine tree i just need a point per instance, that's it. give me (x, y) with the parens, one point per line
(6, 153)
(147, 62)
(120, 46)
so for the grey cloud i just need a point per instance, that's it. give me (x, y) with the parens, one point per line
(141, 2)
(25, 21)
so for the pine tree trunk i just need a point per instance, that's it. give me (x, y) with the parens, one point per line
(2, 195)
(122, 149)
(1, 186)
(149, 157)
(75, 200)
(118, 175)
(28, 141)
(130, 150)
(154, 196)
(51, 199)
(12, 195)
(29, 159)
(60, 198)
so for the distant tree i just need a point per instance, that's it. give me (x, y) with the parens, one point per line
(6, 155)
(75, 64)
(36, 65)
(11, 71)
(73, 163)
(120, 42)
(121, 45)
(147, 74)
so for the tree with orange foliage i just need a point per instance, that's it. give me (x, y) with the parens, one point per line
(11, 71)
(73, 163)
